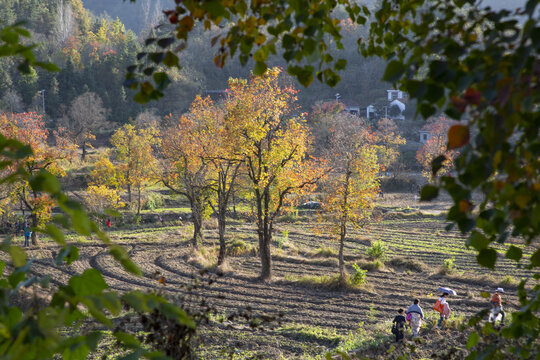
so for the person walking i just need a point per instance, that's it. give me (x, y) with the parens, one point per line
(398, 325)
(416, 317)
(496, 307)
(108, 223)
(443, 308)
(27, 235)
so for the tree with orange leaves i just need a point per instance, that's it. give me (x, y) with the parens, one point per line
(275, 146)
(186, 166)
(436, 146)
(48, 154)
(352, 184)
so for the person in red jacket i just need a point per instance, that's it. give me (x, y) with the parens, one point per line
(108, 223)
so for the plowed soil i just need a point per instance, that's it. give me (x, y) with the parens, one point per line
(166, 250)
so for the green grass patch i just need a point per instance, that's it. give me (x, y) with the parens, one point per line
(321, 335)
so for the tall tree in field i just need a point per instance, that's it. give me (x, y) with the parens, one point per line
(352, 184)
(275, 146)
(436, 146)
(48, 154)
(186, 166)
(86, 116)
(224, 154)
(134, 151)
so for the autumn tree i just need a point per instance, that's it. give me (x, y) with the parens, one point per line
(352, 184)
(49, 152)
(135, 154)
(86, 116)
(186, 165)
(436, 146)
(275, 146)
(388, 139)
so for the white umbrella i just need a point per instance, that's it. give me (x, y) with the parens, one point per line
(446, 290)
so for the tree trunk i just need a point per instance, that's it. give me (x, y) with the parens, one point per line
(83, 155)
(222, 245)
(129, 193)
(34, 232)
(139, 202)
(342, 271)
(265, 236)
(197, 230)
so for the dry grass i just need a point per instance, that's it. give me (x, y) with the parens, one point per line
(239, 247)
(324, 252)
(406, 264)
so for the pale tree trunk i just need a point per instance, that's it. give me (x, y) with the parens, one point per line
(139, 202)
(342, 271)
(343, 229)
(196, 214)
(35, 224)
(129, 193)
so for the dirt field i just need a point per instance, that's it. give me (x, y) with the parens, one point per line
(407, 234)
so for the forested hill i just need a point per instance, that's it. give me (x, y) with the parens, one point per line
(91, 52)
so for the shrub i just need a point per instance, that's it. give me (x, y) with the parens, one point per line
(283, 240)
(377, 251)
(240, 248)
(509, 281)
(449, 267)
(359, 276)
(324, 251)
(401, 263)
(153, 201)
(371, 265)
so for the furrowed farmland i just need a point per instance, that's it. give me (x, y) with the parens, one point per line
(309, 314)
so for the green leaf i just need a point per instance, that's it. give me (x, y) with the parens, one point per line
(260, 68)
(90, 282)
(127, 340)
(55, 233)
(171, 60)
(18, 255)
(394, 70)
(174, 312)
(478, 241)
(487, 258)
(514, 253)
(121, 255)
(535, 259)
(429, 192)
(473, 340)
(81, 223)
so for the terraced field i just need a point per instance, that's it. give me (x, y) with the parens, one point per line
(165, 250)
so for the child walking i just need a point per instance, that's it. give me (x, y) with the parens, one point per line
(398, 325)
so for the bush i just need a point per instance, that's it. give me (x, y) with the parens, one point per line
(401, 263)
(373, 265)
(283, 240)
(240, 248)
(324, 251)
(359, 276)
(153, 201)
(449, 267)
(377, 251)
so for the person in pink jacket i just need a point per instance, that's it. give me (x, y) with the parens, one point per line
(445, 314)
